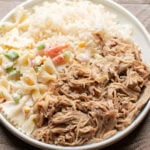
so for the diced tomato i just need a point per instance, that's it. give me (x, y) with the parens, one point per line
(58, 59)
(52, 52)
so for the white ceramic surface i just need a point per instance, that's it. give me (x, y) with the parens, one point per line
(140, 36)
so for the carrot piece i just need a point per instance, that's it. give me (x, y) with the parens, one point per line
(52, 52)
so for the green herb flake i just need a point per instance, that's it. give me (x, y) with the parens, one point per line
(67, 54)
(11, 55)
(14, 72)
(16, 97)
(10, 69)
(41, 46)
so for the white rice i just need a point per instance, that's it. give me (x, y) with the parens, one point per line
(68, 21)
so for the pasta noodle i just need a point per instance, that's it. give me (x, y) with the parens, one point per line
(47, 72)
(5, 89)
(16, 115)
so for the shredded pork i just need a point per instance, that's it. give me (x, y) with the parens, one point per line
(92, 101)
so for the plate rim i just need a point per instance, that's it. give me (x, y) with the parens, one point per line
(117, 137)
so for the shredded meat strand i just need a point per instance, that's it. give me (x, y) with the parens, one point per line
(91, 102)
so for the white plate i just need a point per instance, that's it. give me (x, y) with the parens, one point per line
(140, 36)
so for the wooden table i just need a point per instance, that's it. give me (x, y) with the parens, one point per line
(137, 140)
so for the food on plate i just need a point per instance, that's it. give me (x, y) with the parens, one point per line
(70, 73)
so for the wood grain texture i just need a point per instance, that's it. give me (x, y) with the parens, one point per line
(141, 11)
(137, 140)
(133, 1)
(7, 5)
